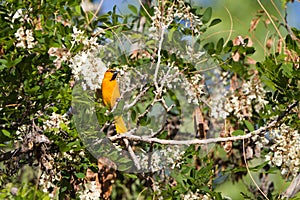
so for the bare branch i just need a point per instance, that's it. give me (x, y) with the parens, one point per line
(133, 156)
(293, 189)
(147, 110)
(138, 97)
(159, 57)
(162, 128)
(250, 174)
(147, 139)
(162, 32)
(164, 104)
(290, 107)
(150, 140)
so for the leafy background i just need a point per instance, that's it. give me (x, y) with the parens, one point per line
(42, 156)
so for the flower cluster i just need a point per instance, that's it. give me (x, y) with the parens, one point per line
(177, 81)
(190, 19)
(86, 65)
(161, 21)
(61, 54)
(197, 83)
(194, 196)
(217, 107)
(46, 183)
(240, 104)
(215, 86)
(25, 38)
(285, 149)
(171, 156)
(177, 12)
(49, 178)
(91, 191)
(54, 122)
(21, 16)
(157, 189)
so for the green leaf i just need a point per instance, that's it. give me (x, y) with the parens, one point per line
(80, 175)
(124, 167)
(63, 189)
(238, 132)
(2, 67)
(18, 60)
(171, 32)
(215, 22)
(209, 47)
(133, 115)
(46, 197)
(130, 175)
(250, 50)
(249, 125)
(207, 15)
(219, 46)
(34, 89)
(133, 9)
(143, 121)
(6, 133)
(3, 61)
(287, 70)
(54, 109)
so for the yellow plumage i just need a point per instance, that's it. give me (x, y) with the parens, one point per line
(110, 94)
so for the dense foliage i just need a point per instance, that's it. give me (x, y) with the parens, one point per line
(238, 116)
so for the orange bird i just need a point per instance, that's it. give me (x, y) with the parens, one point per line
(110, 94)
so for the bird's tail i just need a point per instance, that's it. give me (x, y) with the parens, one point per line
(120, 125)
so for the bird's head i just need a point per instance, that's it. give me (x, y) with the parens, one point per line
(111, 74)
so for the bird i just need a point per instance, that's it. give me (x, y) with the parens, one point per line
(110, 93)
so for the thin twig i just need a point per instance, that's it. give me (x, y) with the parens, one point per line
(156, 133)
(164, 104)
(146, 11)
(162, 29)
(131, 153)
(147, 110)
(121, 97)
(248, 170)
(284, 19)
(138, 97)
(231, 28)
(159, 57)
(96, 12)
(169, 67)
(270, 18)
(293, 188)
(287, 110)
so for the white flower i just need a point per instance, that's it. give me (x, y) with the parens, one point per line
(25, 38)
(87, 66)
(285, 150)
(77, 35)
(277, 159)
(90, 192)
(17, 15)
(55, 121)
(192, 196)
